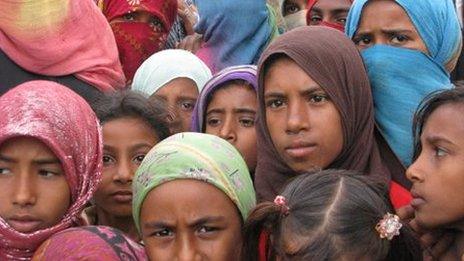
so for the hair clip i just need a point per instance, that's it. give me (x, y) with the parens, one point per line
(281, 201)
(389, 226)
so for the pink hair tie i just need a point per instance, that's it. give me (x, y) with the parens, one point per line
(389, 226)
(281, 201)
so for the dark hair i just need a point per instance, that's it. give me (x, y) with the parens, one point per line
(333, 213)
(128, 103)
(429, 105)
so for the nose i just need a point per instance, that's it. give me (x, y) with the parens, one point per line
(228, 131)
(297, 118)
(415, 172)
(24, 191)
(125, 172)
(186, 249)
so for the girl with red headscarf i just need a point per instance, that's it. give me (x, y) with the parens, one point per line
(141, 28)
(331, 13)
(50, 164)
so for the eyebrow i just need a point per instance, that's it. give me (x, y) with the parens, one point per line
(437, 138)
(208, 219)
(387, 31)
(44, 161)
(309, 90)
(236, 110)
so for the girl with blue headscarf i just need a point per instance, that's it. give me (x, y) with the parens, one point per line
(409, 48)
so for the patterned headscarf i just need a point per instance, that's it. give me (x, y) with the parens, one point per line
(136, 40)
(64, 122)
(90, 243)
(195, 156)
(59, 38)
(241, 72)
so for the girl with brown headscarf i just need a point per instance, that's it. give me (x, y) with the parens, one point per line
(333, 79)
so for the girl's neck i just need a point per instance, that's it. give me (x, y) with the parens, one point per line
(124, 223)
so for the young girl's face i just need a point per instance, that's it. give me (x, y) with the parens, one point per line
(142, 17)
(329, 11)
(438, 172)
(304, 124)
(34, 193)
(201, 223)
(231, 115)
(385, 22)
(126, 141)
(180, 95)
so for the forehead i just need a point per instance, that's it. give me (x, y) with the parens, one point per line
(384, 14)
(177, 87)
(332, 4)
(447, 119)
(191, 203)
(234, 95)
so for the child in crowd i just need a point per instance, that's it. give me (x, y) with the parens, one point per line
(50, 164)
(409, 48)
(141, 28)
(330, 215)
(437, 171)
(177, 77)
(132, 125)
(192, 193)
(227, 108)
(331, 13)
(316, 112)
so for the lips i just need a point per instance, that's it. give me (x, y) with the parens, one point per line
(300, 150)
(25, 223)
(417, 200)
(122, 196)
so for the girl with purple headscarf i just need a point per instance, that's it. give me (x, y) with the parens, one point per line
(227, 108)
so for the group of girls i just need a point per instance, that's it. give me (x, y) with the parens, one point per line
(339, 139)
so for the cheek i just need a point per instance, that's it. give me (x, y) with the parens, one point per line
(276, 126)
(55, 202)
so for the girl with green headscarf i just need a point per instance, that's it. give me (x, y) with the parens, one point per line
(192, 193)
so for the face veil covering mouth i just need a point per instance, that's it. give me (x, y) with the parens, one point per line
(413, 75)
(136, 42)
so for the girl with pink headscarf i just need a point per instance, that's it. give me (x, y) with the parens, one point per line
(50, 164)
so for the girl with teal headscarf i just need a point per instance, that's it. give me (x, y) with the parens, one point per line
(194, 186)
(401, 77)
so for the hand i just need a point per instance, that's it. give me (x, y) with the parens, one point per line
(435, 242)
(188, 14)
(191, 43)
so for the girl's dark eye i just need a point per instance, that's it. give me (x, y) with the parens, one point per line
(399, 39)
(47, 174)
(156, 24)
(4, 171)
(139, 158)
(213, 122)
(247, 122)
(439, 152)
(318, 98)
(163, 233)
(362, 40)
(187, 106)
(341, 20)
(129, 17)
(315, 20)
(108, 160)
(206, 229)
(274, 104)
(291, 9)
